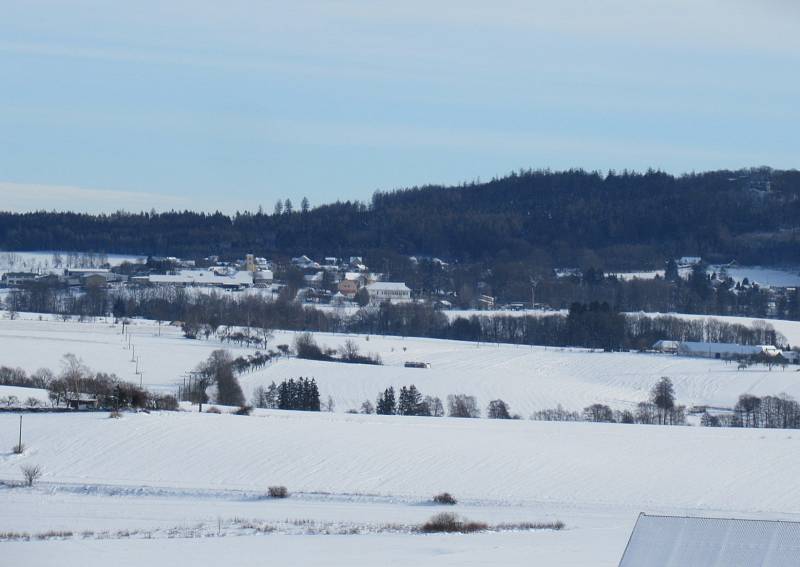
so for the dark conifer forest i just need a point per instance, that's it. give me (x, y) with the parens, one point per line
(546, 219)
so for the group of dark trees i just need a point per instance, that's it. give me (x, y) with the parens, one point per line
(293, 394)
(410, 401)
(300, 394)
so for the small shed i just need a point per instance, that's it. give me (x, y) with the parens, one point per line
(673, 541)
(666, 346)
(82, 402)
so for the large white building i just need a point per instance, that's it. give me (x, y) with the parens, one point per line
(394, 292)
(234, 280)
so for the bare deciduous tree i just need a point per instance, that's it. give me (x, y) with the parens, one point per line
(31, 473)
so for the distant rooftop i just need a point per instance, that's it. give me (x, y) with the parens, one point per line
(670, 541)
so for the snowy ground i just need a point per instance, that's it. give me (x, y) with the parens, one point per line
(194, 485)
(185, 488)
(42, 262)
(528, 378)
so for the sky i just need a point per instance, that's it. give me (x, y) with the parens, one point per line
(232, 105)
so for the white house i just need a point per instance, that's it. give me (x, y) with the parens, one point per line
(394, 292)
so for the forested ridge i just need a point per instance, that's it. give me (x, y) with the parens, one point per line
(615, 220)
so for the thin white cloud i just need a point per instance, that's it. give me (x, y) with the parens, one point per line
(21, 197)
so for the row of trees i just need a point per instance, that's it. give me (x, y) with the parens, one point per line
(77, 382)
(594, 325)
(660, 409)
(775, 412)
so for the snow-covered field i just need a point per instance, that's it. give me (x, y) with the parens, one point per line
(42, 262)
(763, 276)
(187, 488)
(528, 378)
(195, 484)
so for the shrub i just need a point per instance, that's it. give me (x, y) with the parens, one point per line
(278, 492)
(213, 409)
(31, 473)
(306, 347)
(116, 414)
(525, 526)
(444, 498)
(447, 522)
(244, 410)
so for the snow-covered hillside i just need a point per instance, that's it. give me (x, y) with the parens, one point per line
(528, 378)
(112, 485)
(169, 488)
(497, 461)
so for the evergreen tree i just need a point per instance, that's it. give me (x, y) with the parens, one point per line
(287, 207)
(409, 402)
(671, 273)
(278, 207)
(305, 205)
(386, 404)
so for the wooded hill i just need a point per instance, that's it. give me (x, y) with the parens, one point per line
(571, 218)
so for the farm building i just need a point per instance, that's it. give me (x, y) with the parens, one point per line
(724, 350)
(670, 541)
(394, 292)
(666, 346)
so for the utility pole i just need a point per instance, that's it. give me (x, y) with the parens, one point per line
(534, 283)
(20, 434)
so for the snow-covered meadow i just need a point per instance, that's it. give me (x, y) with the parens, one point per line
(182, 487)
(45, 262)
(527, 378)
(153, 485)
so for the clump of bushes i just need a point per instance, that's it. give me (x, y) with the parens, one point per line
(447, 522)
(115, 414)
(278, 492)
(213, 409)
(444, 498)
(243, 410)
(526, 526)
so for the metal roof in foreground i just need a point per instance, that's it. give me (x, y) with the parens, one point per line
(671, 541)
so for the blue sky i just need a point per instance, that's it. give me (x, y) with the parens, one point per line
(231, 105)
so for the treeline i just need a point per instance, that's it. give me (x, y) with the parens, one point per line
(77, 384)
(661, 409)
(544, 217)
(249, 319)
(771, 412)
